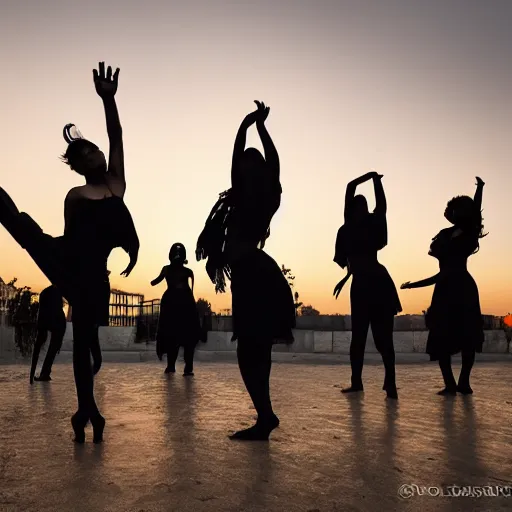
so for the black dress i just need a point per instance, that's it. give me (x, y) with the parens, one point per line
(454, 318)
(76, 263)
(178, 322)
(262, 301)
(372, 288)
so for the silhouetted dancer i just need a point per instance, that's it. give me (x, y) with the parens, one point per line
(50, 318)
(96, 221)
(373, 296)
(232, 241)
(454, 318)
(178, 322)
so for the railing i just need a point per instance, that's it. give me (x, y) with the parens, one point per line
(124, 308)
(147, 322)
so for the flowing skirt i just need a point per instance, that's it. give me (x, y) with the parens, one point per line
(454, 318)
(263, 307)
(373, 290)
(178, 323)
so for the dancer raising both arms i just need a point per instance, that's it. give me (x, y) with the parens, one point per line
(178, 323)
(373, 297)
(454, 318)
(96, 221)
(232, 241)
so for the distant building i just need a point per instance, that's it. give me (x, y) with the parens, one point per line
(6, 292)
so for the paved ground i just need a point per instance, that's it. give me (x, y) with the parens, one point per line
(166, 447)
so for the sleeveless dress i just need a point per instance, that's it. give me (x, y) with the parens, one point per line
(178, 322)
(262, 301)
(76, 263)
(372, 287)
(454, 318)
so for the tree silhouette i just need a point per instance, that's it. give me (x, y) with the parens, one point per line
(22, 315)
(291, 278)
(309, 311)
(203, 307)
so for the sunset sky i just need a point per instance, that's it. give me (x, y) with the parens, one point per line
(418, 90)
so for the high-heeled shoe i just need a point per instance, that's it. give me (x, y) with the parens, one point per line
(98, 425)
(78, 422)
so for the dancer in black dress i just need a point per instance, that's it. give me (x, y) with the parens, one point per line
(50, 318)
(232, 242)
(373, 297)
(178, 323)
(454, 318)
(96, 221)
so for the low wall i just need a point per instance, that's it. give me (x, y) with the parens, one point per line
(344, 323)
(306, 341)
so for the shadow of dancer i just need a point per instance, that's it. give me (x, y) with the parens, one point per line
(96, 221)
(373, 296)
(232, 242)
(178, 322)
(454, 318)
(51, 319)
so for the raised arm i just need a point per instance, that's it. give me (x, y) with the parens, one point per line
(421, 284)
(106, 87)
(271, 155)
(239, 148)
(479, 192)
(351, 190)
(381, 206)
(159, 279)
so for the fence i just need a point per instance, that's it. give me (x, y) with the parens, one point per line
(147, 322)
(124, 308)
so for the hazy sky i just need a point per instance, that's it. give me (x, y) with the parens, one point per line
(418, 90)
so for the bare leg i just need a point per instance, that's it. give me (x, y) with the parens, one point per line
(382, 328)
(55, 346)
(42, 335)
(450, 387)
(83, 337)
(96, 353)
(188, 353)
(468, 359)
(360, 325)
(172, 357)
(255, 362)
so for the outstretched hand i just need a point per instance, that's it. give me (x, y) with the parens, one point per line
(106, 84)
(479, 182)
(337, 289)
(128, 270)
(340, 285)
(405, 286)
(262, 112)
(259, 115)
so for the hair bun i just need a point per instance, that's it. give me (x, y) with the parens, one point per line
(71, 133)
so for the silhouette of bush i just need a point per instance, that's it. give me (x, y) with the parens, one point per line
(22, 315)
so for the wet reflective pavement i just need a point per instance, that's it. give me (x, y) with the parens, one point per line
(166, 445)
